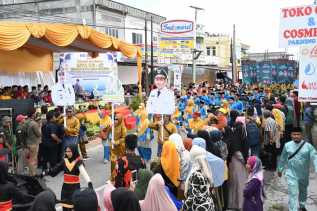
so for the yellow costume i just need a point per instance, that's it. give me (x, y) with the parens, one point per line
(189, 110)
(170, 162)
(118, 145)
(167, 129)
(196, 125)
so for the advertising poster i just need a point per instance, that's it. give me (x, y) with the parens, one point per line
(269, 72)
(93, 78)
(176, 41)
(308, 74)
(178, 71)
(298, 26)
(161, 99)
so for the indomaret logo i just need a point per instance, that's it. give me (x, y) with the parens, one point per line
(177, 26)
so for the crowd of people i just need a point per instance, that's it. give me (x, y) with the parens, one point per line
(40, 95)
(210, 153)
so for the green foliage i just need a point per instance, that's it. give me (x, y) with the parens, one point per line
(92, 130)
(136, 101)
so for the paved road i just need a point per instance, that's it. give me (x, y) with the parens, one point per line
(97, 170)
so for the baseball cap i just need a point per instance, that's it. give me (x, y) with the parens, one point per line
(20, 118)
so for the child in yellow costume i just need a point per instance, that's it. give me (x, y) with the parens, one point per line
(105, 124)
(118, 145)
(144, 136)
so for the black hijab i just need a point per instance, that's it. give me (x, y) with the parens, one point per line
(45, 201)
(85, 200)
(210, 145)
(233, 116)
(3, 172)
(75, 152)
(123, 199)
(239, 141)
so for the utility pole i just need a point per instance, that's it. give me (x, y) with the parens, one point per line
(152, 59)
(146, 73)
(195, 37)
(234, 64)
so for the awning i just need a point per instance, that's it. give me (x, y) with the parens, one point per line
(28, 47)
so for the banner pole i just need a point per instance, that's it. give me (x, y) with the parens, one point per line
(162, 130)
(112, 119)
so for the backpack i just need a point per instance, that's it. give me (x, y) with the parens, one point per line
(253, 133)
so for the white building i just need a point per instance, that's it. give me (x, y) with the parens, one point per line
(113, 18)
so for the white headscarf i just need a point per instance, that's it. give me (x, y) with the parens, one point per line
(199, 162)
(183, 154)
(178, 141)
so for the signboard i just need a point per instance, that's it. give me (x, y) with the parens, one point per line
(178, 70)
(176, 41)
(308, 74)
(298, 26)
(177, 28)
(63, 94)
(277, 71)
(161, 100)
(95, 78)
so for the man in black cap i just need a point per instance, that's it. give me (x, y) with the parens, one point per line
(295, 160)
(161, 99)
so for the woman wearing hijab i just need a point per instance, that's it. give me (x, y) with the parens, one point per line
(144, 177)
(216, 136)
(254, 188)
(215, 163)
(124, 200)
(8, 190)
(156, 198)
(217, 167)
(188, 142)
(107, 203)
(170, 166)
(183, 154)
(45, 201)
(238, 154)
(233, 116)
(210, 145)
(199, 183)
(73, 167)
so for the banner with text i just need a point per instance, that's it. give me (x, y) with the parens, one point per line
(95, 78)
(308, 74)
(298, 26)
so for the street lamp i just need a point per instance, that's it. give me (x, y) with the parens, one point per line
(195, 37)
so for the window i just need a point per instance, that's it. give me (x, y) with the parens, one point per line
(208, 51)
(112, 32)
(136, 38)
(214, 50)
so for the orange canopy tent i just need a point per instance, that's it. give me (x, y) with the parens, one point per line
(29, 47)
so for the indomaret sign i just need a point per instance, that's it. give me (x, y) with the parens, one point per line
(298, 26)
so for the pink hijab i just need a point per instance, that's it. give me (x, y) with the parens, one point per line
(156, 198)
(107, 197)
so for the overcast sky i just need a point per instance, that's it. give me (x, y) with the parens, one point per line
(257, 21)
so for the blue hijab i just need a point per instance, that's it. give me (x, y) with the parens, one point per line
(216, 164)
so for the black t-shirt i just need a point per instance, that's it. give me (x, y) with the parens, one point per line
(47, 130)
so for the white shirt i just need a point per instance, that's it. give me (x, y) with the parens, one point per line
(161, 102)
